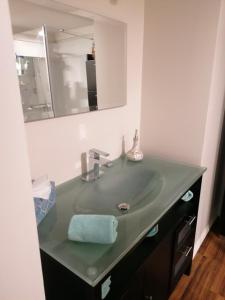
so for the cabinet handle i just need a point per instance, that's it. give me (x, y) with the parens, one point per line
(188, 196)
(191, 220)
(187, 251)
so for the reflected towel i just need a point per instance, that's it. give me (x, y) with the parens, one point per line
(41, 188)
(101, 229)
(42, 207)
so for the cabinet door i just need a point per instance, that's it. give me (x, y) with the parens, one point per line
(135, 290)
(157, 271)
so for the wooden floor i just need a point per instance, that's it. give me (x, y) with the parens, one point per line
(207, 279)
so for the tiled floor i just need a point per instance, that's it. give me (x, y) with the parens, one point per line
(207, 279)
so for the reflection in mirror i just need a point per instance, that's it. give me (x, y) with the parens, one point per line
(68, 60)
(31, 66)
(72, 69)
(110, 62)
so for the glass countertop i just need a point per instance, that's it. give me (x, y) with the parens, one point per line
(157, 186)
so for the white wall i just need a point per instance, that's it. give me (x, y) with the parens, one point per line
(183, 87)
(179, 44)
(110, 63)
(213, 128)
(20, 272)
(55, 145)
(33, 49)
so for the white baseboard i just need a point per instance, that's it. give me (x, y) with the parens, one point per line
(203, 235)
(200, 240)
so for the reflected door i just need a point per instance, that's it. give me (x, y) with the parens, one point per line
(72, 75)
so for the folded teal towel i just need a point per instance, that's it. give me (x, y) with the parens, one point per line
(99, 229)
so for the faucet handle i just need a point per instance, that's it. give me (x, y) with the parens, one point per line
(95, 152)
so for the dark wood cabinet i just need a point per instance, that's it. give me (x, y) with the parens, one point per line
(172, 256)
(150, 271)
(152, 280)
(157, 271)
(135, 290)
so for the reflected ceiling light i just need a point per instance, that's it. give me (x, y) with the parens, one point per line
(82, 36)
(41, 33)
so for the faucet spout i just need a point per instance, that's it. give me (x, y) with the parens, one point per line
(106, 162)
(95, 162)
(95, 152)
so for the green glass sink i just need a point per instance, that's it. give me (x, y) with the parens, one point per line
(137, 186)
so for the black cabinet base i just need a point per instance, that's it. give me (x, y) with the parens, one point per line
(60, 283)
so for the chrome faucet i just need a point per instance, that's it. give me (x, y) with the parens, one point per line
(96, 160)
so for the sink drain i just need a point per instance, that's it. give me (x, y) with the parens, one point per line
(123, 207)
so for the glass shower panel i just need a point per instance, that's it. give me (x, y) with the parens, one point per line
(32, 71)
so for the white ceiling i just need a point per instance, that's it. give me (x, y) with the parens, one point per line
(27, 15)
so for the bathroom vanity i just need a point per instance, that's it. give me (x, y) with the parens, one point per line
(136, 266)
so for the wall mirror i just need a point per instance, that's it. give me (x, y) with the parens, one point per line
(68, 61)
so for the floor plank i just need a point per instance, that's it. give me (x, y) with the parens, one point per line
(207, 279)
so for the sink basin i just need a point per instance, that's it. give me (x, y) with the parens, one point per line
(134, 185)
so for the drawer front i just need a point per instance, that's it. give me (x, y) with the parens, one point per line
(184, 230)
(183, 257)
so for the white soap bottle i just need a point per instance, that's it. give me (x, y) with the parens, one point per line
(135, 154)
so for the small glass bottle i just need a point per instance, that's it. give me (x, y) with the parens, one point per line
(135, 154)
